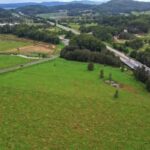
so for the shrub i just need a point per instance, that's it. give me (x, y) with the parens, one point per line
(116, 95)
(110, 77)
(102, 74)
(90, 66)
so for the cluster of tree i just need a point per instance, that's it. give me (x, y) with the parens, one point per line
(30, 32)
(143, 57)
(126, 36)
(85, 41)
(139, 25)
(135, 44)
(121, 47)
(88, 48)
(104, 33)
(134, 24)
(143, 75)
(4, 13)
(6, 16)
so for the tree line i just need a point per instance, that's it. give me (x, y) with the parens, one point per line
(87, 48)
(31, 32)
(143, 75)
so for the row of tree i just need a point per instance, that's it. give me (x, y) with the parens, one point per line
(143, 75)
(88, 48)
(143, 57)
(30, 32)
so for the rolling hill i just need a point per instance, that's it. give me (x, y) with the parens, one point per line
(123, 6)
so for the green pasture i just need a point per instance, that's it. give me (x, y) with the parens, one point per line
(57, 15)
(10, 61)
(60, 105)
(10, 42)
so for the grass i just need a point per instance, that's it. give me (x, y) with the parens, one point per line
(10, 42)
(59, 47)
(8, 45)
(57, 15)
(60, 105)
(74, 26)
(9, 61)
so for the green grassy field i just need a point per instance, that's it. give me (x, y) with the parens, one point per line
(9, 61)
(9, 42)
(60, 105)
(74, 26)
(57, 15)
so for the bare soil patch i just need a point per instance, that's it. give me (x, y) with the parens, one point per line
(38, 48)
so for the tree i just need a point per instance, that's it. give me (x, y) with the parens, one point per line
(90, 66)
(110, 77)
(135, 44)
(122, 68)
(148, 84)
(101, 74)
(116, 95)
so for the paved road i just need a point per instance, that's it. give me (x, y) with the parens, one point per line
(133, 64)
(65, 28)
(6, 70)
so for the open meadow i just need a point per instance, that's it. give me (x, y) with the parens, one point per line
(10, 42)
(60, 105)
(10, 61)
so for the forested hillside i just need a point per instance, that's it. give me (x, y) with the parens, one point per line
(123, 6)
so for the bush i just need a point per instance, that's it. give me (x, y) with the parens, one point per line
(102, 74)
(135, 44)
(116, 95)
(90, 66)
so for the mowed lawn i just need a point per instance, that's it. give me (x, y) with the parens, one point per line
(10, 44)
(10, 61)
(60, 105)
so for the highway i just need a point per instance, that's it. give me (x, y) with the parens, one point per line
(65, 28)
(130, 62)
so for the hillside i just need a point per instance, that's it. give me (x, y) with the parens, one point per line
(33, 9)
(17, 5)
(60, 105)
(123, 6)
(39, 9)
(4, 13)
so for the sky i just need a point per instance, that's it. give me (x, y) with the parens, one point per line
(21, 1)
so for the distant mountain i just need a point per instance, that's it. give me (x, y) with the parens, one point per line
(123, 6)
(33, 9)
(52, 3)
(17, 5)
(90, 2)
(73, 8)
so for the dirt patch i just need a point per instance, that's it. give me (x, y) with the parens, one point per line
(128, 88)
(34, 49)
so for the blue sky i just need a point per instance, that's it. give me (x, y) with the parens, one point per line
(20, 1)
